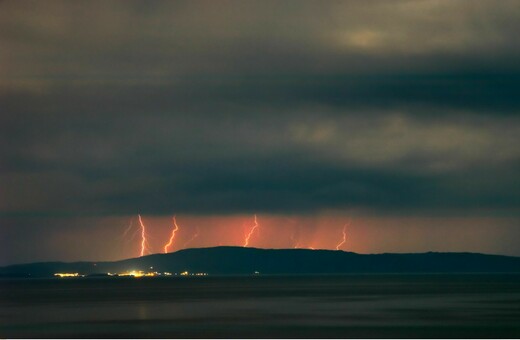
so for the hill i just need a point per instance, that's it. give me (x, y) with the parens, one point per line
(245, 261)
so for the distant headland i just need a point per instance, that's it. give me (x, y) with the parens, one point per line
(255, 261)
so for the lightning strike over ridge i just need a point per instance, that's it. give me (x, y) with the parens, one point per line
(246, 241)
(192, 238)
(143, 235)
(170, 242)
(129, 227)
(344, 236)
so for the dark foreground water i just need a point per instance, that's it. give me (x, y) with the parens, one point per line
(304, 307)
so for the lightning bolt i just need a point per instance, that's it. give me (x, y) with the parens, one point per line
(129, 227)
(128, 230)
(134, 235)
(192, 238)
(246, 241)
(295, 242)
(295, 237)
(344, 236)
(143, 235)
(176, 227)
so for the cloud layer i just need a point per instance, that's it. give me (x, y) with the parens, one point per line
(228, 107)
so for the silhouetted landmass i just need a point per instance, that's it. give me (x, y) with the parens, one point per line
(246, 261)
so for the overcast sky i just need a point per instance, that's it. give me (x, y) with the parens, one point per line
(373, 110)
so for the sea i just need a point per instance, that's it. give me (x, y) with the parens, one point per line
(348, 306)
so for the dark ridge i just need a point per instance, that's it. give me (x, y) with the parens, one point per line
(246, 261)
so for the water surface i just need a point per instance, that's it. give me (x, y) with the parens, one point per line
(304, 307)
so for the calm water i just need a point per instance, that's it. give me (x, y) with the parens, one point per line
(346, 306)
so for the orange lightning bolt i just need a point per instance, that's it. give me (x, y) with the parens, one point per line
(143, 235)
(246, 242)
(296, 232)
(176, 227)
(296, 243)
(344, 236)
(129, 227)
(133, 235)
(192, 238)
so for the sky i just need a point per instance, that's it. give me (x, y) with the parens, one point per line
(396, 120)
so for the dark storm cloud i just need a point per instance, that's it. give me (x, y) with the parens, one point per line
(274, 106)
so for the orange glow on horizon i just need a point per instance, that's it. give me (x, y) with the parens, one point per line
(368, 235)
(309, 233)
(246, 242)
(172, 235)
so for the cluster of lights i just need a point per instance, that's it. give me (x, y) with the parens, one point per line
(186, 273)
(136, 273)
(67, 275)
